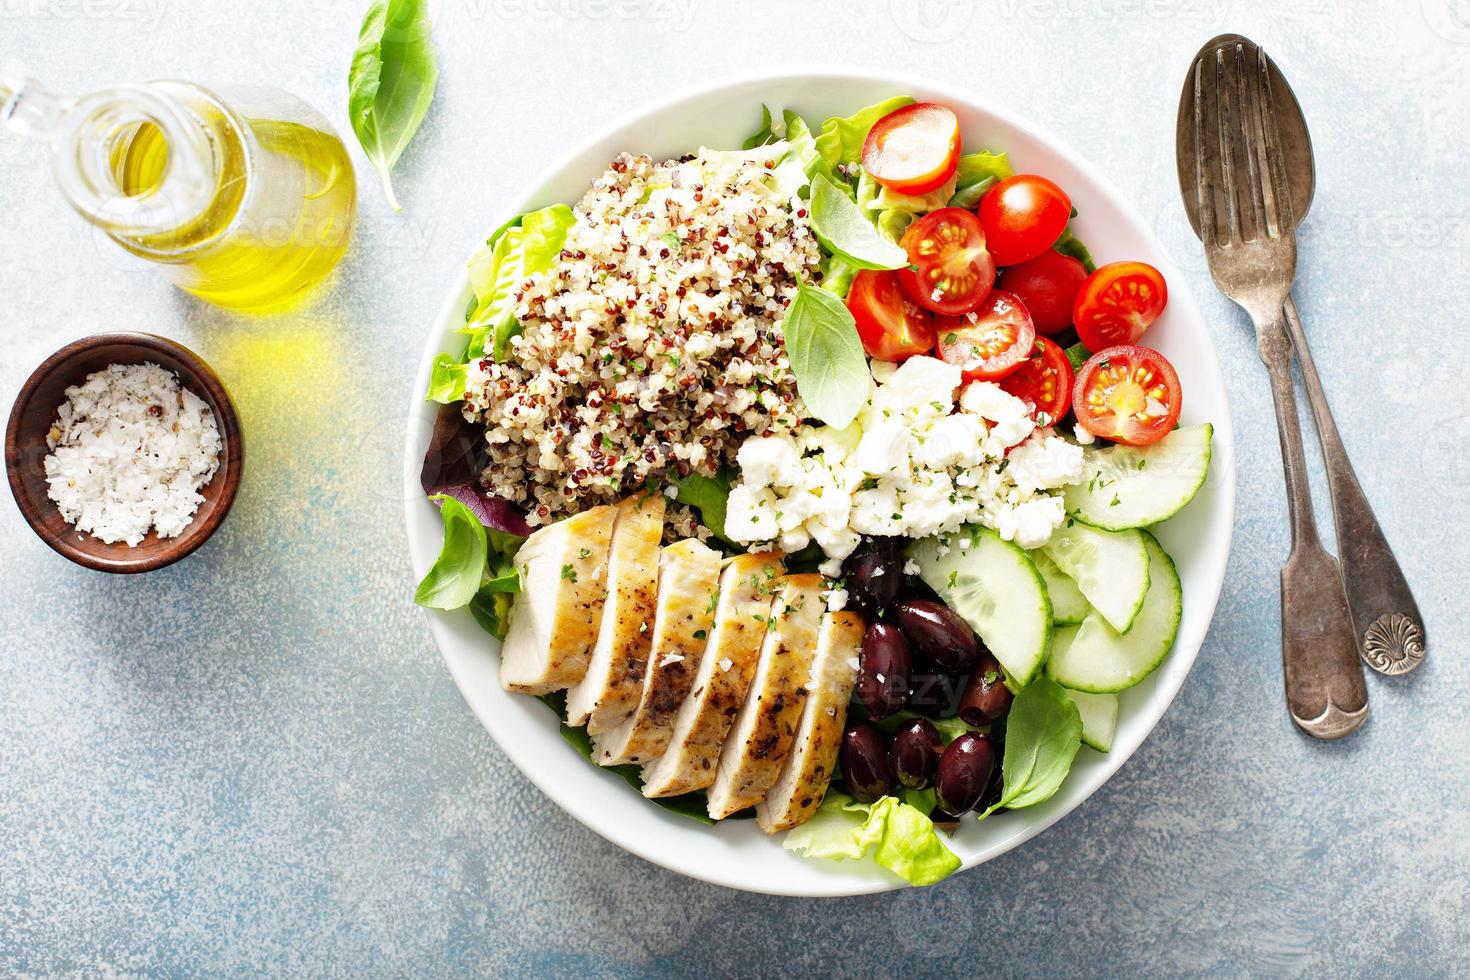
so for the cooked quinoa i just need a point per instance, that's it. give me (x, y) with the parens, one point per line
(654, 345)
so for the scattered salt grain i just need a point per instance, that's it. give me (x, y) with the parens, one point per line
(130, 449)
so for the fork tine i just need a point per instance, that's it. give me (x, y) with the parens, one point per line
(1277, 186)
(1249, 143)
(1224, 142)
(1204, 187)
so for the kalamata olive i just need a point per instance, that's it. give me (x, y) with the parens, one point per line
(936, 693)
(964, 772)
(874, 573)
(993, 791)
(986, 696)
(915, 753)
(864, 761)
(938, 632)
(883, 673)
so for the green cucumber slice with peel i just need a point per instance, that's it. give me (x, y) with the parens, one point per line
(1097, 659)
(1069, 607)
(1099, 711)
(994, 587)
(1110, 568)
(1139, 486)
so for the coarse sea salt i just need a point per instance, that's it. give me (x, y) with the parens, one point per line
(130, 449)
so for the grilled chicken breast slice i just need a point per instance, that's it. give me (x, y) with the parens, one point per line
(555, 617)
(798, 791)
(766, 725)
(609, 692)
(688, 587)
(747, 586)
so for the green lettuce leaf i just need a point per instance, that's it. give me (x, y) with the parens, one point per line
(763, 135)
(840, 141)
(446, 380)
(498, 268)
(1070, 244)
(899, 837)
(977, 171)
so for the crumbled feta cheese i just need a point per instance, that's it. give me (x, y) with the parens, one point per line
(670, 659)
(1084, 437)
(837, 600)
(914, 464)
(726, 663)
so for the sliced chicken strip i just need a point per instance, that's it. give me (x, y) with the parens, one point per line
(555, 617)
(609, 692)
(798, 791)
(688, 588)
(766, 725)
(747, 586)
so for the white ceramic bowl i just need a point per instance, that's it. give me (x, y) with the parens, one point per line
(735, 853)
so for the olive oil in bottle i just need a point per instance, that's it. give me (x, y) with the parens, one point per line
(244, 198)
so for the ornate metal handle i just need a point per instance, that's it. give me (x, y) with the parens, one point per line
(1389, 628)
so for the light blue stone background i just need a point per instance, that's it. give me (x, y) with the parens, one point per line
(254, 762)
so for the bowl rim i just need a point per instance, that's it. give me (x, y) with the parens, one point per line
(1223, 474)
(232, 458)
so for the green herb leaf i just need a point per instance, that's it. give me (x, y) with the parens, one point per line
(1070, 244)
(826, 356)
(900, 837)
(709, 495)
(455, 576)
(846, 231)
(1043, 734)
(498, 268)
(391, 82)
(446, 379)
(1077, 354)
(763, 135)
(976, 174)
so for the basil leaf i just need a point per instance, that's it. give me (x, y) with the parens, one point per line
(826, 356)
(455, 576)
(391, 82)
(491, 610)
(842, 227)
(1078, 354)
(763, 135)
(446, 380)
(709, 494)
(969, 197)
(1043, 734)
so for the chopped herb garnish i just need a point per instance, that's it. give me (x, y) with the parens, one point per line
(568, 573)
(700, 634)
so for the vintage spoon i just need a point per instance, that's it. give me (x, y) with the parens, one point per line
(1390, 631)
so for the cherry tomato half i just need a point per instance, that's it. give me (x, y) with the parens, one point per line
(913, 150)
(1044, 381)
(950, 269)
(990, 342)
(1048, 286)
(1023, 216)
(1118, 303)
(892, 327)
(1128, 394)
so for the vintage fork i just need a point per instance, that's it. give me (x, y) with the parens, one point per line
(1247, 224)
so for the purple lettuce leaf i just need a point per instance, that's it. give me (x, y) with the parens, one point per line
(452, 466)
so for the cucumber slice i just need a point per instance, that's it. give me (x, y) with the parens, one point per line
(1099, 711)
(995, 588)
(1100, 660)
(1068, 606)
(1109, 567)
(1139, 486)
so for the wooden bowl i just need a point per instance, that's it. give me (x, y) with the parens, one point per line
(35, 410)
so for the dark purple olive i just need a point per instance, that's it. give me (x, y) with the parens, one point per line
(864, 761)
(938, 632)
(874, 574)
(935, 693)
(883, 676)
(964, 772)
(915, 753)
(986, 696)
(996, 787)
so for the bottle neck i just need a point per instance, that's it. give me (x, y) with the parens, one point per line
(94, 137)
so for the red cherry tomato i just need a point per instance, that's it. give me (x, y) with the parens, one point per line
(913, 150)
(892, 327)
(950, 269)
(1023, 216)
(1048, 286)
(990, 342)
(1118, 303)
(1044, 381)
(1128, 394)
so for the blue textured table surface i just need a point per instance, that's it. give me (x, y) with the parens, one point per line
(254, 761)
